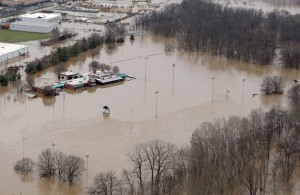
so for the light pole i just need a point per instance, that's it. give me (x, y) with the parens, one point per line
(156, 93)
(212, 89)
(87, 163)
(53, 96)
(24, 100)
(243, 86)
(146, 60)
(23, 147)
(173, 70)
(64, 105)
(131, 120)
(111, 61)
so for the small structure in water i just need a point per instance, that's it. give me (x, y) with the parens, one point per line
(131, 37)
(46, 90)
(106, 111)
(68, 76)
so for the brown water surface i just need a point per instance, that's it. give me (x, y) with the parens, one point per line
(74, 121)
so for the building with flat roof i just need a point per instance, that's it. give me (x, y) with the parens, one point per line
(37, 22)
(114, 3)
(9, 51)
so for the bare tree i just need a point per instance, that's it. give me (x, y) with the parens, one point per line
(24, 166)
(94, 65)
(138, 159)
(115, 69)
(46, 165)
(106, 184)
(251, 180)
(294, 96)
(74, 166)
(129, 180)
(272, 85)
(60, 163)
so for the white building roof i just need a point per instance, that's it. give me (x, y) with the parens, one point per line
(6, 48)
(68, 73)
(40, 15)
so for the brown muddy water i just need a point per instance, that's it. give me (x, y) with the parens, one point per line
(74, 121)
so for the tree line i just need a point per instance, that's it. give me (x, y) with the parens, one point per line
(54, 165)
(245, 34)
(57, 36)
(62, 54)
(238, 155)
(114, 34)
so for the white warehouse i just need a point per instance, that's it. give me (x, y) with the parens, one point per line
(37, 22)
(9, 51)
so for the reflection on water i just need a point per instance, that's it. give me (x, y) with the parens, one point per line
(74, 120)
(25, 177)
(271, 100)
(49, 187)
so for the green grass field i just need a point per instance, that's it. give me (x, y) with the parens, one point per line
(10, 36)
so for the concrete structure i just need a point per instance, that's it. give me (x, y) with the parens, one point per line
(37, 22)
(68, 76)
(77, 13)
(116, 3)
(9, 51)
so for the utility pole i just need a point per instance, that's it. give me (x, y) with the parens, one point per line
(212, 89)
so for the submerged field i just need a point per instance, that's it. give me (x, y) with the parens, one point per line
(10, 36)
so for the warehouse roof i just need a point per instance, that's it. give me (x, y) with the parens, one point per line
(6, 48)
(40, 15)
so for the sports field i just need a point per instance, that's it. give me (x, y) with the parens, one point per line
(10, 36)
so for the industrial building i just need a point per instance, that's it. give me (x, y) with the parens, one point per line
(114, 3)
(9, 51)
(37, 22)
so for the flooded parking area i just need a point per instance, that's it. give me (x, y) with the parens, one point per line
(199, 87)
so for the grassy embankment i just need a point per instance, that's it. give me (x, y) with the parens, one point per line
(10, 36)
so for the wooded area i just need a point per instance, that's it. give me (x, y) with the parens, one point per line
(245, 34)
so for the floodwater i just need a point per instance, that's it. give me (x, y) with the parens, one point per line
(74, 121)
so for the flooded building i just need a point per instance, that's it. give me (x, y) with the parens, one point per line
(37, 22)
(9, 51)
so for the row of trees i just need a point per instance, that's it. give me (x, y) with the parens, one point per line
(94, 65)
(62, 54)
(114, 32)
(244, 34)
(57, 36)
(54, 165)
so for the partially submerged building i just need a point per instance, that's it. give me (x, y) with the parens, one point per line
(9, 51)
(37, 22)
